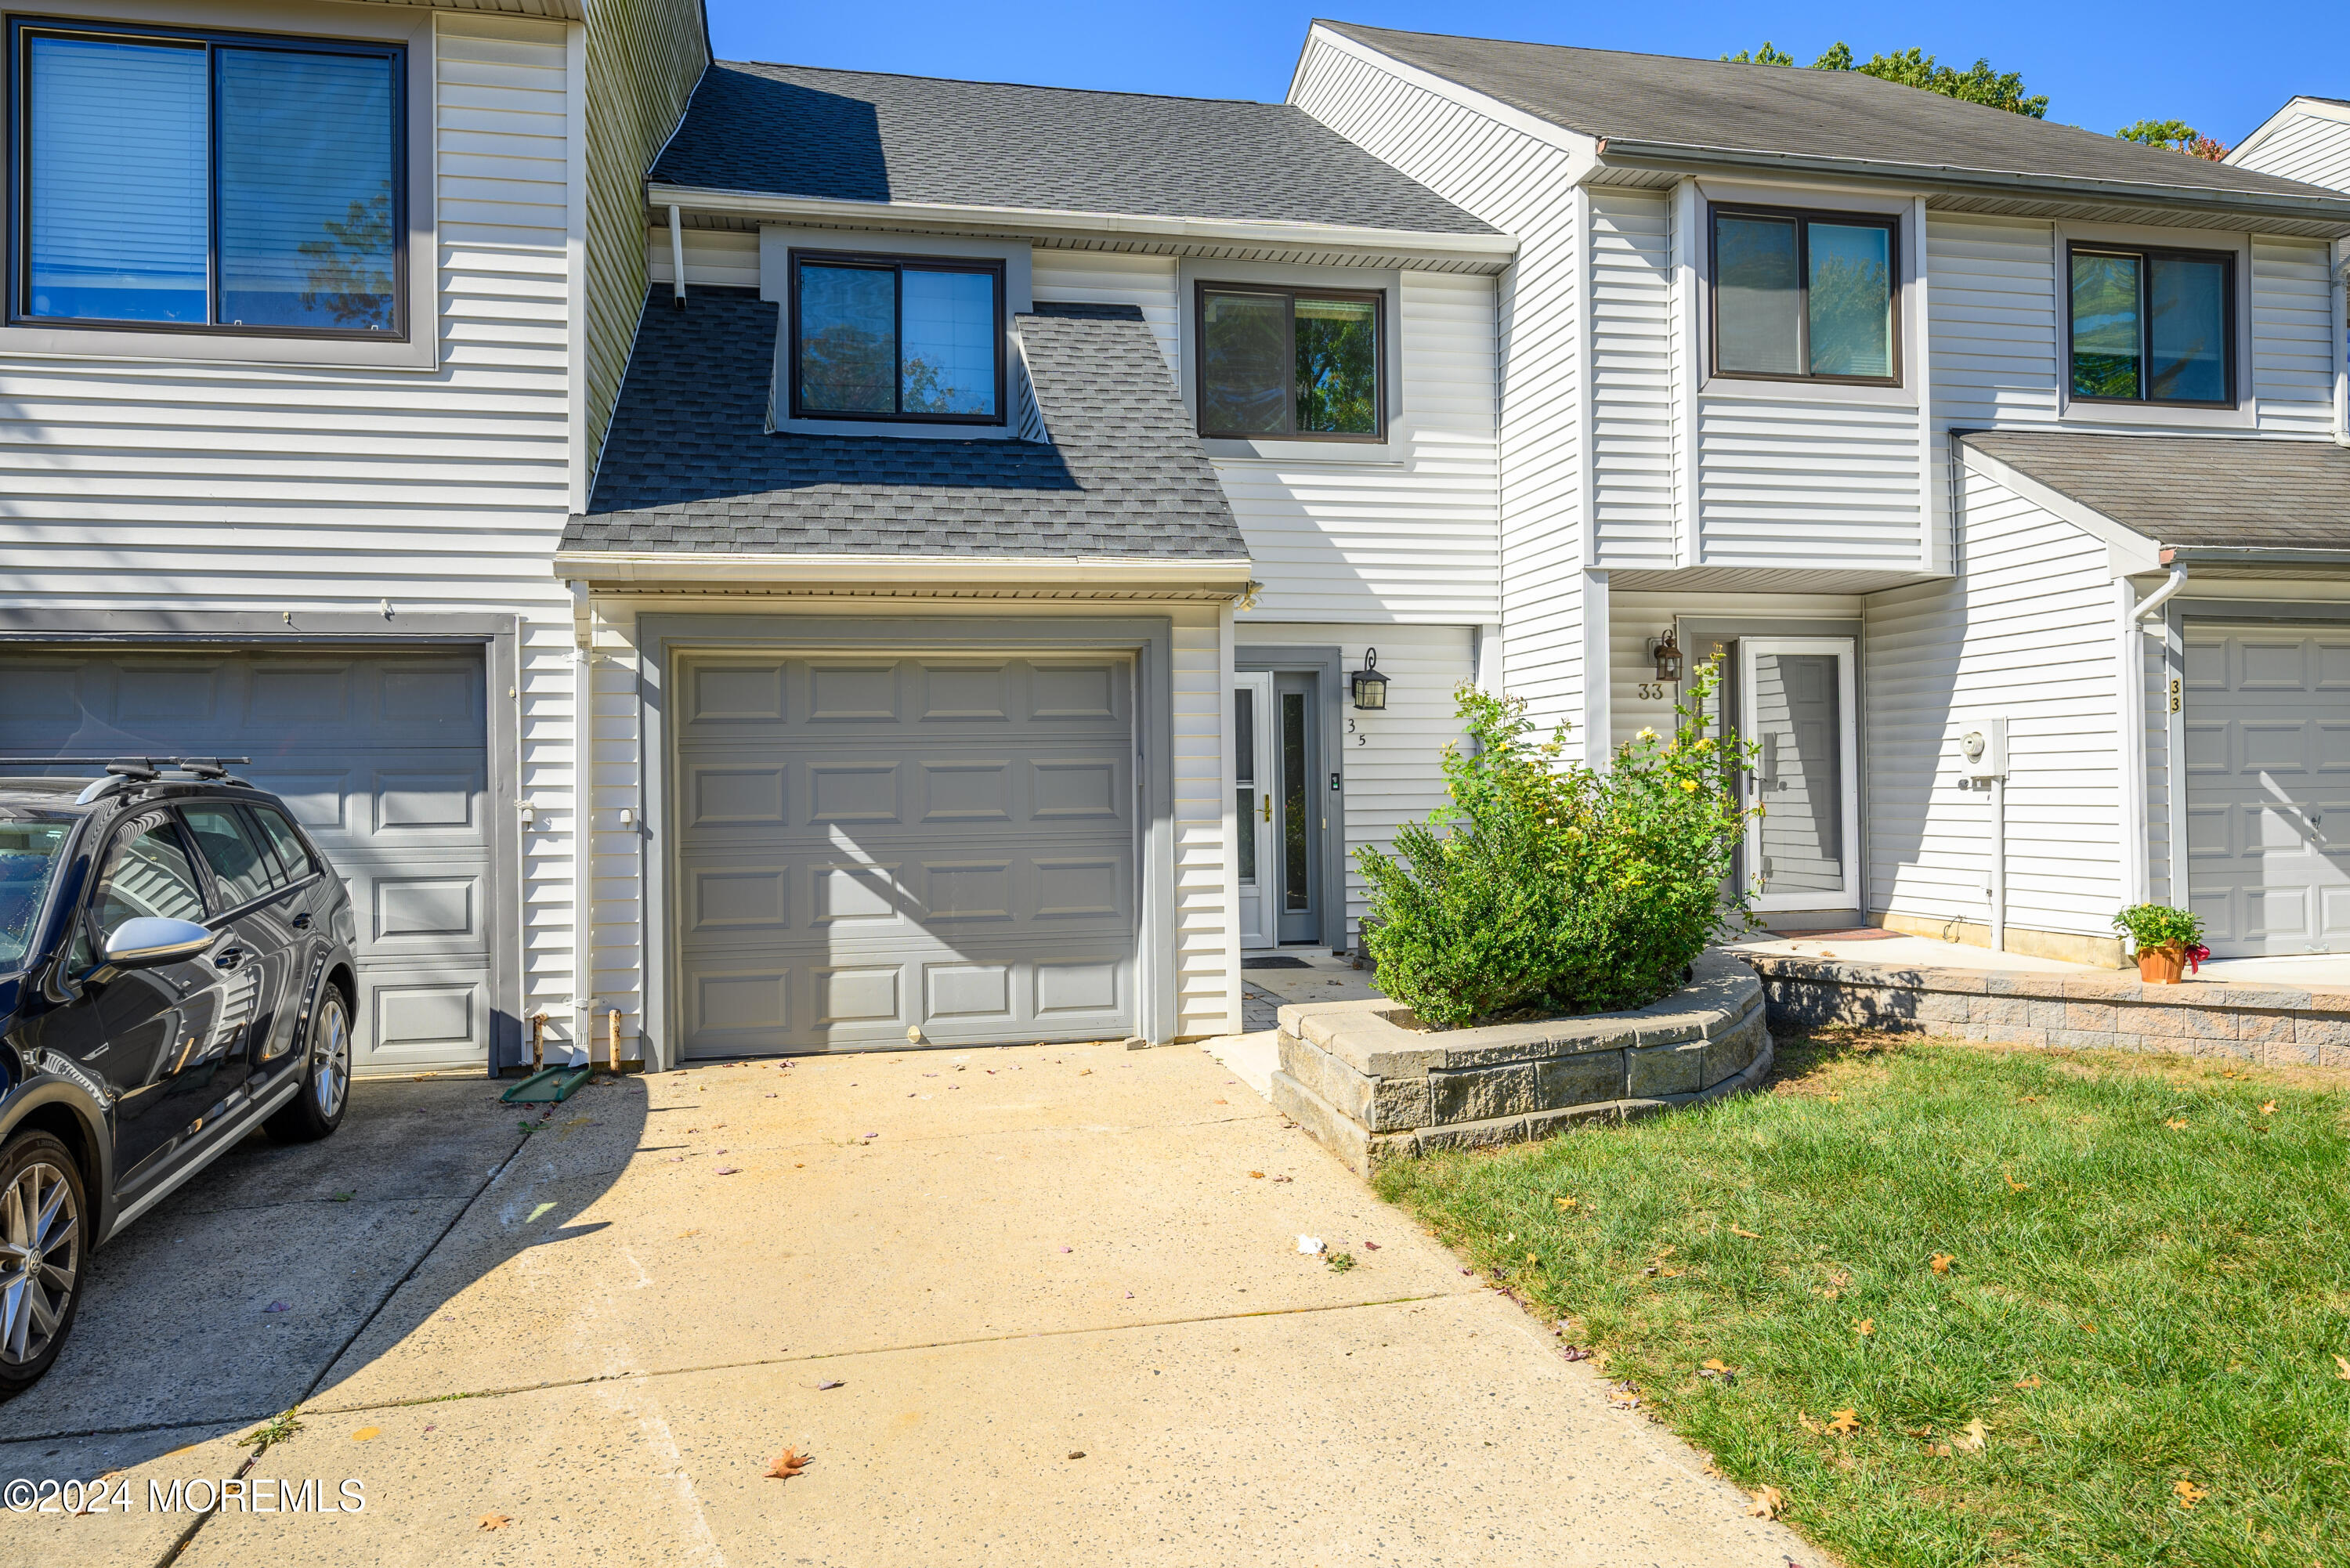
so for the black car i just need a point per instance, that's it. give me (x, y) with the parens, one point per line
(175, 969)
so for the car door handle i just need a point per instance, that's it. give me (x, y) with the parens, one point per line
(228, 959)
(302, 921)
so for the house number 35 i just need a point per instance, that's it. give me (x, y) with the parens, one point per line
(1360, 739)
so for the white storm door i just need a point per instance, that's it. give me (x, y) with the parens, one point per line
(1796, 701)
(1254, 792)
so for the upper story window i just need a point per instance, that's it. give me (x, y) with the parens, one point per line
(896, 338)
(2153, 326)
(1291, 363)
(201, 181)
(1805, 296)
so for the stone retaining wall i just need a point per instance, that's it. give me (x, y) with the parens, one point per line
(1372, 1089)
(2277, 1025)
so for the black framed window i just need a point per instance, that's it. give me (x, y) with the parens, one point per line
(896, 338)
(174, 181)
(2152, 326)
(1302, 364)
(1809, 297)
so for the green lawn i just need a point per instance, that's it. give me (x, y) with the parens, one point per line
(2146, 1286)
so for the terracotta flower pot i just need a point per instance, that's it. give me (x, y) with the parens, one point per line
(2162, 965)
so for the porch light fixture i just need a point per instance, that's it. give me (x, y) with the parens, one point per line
(1368, 686)
(1668, 654)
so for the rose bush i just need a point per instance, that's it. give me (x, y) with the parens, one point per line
(1547, 885)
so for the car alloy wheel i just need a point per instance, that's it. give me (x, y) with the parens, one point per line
(330, 1073)
(40, 1259)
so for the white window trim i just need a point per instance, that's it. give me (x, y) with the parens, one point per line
(2245, 415)
(1387, 282)
(1909, 289)
(776, 243)
(422, 351)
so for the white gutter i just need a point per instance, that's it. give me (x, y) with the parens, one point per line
(1491, 251)
(2154, 601)
(1225, 575)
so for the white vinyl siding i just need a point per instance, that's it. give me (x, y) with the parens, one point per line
(2313, 145)
(2027, 634)
(2292, 338)
(1807, 483)
(200, 487)
(1632, 374)
(1521, 185)
(714, 258)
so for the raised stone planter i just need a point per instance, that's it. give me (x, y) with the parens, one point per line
(1372, 1089)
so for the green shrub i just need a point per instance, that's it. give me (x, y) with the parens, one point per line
(1549, 886)
(2154, 925)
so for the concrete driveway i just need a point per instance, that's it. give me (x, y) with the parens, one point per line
(1019, 1305)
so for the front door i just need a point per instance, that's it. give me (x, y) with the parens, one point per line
(1298, 808)
(1254, 790)
(1795, 701)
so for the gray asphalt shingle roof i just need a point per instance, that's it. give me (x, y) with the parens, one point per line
(2186, 491)
(793, 130)
(689, 466)
(1794, 111)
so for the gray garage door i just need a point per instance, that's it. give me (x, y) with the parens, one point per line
(380, 754)
(2268, 788)
(867, 847)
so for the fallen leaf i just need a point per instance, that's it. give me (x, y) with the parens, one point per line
(1716, 1364)
(2174, 1123)
(2189, 1493)
(2268, 1109)
(1865, 1325)
(365, 1433)
(1974, 1438)
(681, 1235)
(1750, 1235)
(2015, 1186)
(1279, 1179)
(1534, 1258)
(1844, 1423)
(2088, 1328)
(787, 1464)
(1256, 1176)
(2343, 1362)
(278, 1306)
(1088, 1073)
(1370, 1246)
(1563, 1203)
(1076, 1453)
(833, 1383)
(1767, 1502)
(1940, 1263)
(2031, 1382)
(494, 1521)
(724, 1170)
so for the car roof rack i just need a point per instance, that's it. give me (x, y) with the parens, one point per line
(124, 772)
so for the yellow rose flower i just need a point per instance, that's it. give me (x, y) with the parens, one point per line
(1689, 784)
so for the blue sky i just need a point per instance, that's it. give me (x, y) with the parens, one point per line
(2221, 67)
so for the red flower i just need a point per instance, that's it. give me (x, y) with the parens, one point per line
(2196, 954)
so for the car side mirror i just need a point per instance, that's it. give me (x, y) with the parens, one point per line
(150, 941)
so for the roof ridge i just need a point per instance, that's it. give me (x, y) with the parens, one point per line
(1024, 87)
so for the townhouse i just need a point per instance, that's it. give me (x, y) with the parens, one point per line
(316, 313)
(2001, 461)
(754, 559)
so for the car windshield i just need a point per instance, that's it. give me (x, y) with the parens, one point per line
(28, 856)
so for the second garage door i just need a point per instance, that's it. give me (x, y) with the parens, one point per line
(382, 755)
(871, 851)
(2268, 787)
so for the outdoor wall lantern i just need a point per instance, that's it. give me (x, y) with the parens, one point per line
(1368, 686)
(1669, 657)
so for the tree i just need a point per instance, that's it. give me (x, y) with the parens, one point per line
(2177, 135)
(1915, 68)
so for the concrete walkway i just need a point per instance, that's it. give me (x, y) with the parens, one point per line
(946, 1275)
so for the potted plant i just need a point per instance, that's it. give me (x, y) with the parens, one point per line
(2167, 941)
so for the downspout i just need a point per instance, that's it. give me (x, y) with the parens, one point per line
(583, 805)
(2138, 875)
(676, 259)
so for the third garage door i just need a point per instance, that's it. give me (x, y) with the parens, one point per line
(2268, 787)
(871, 850)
